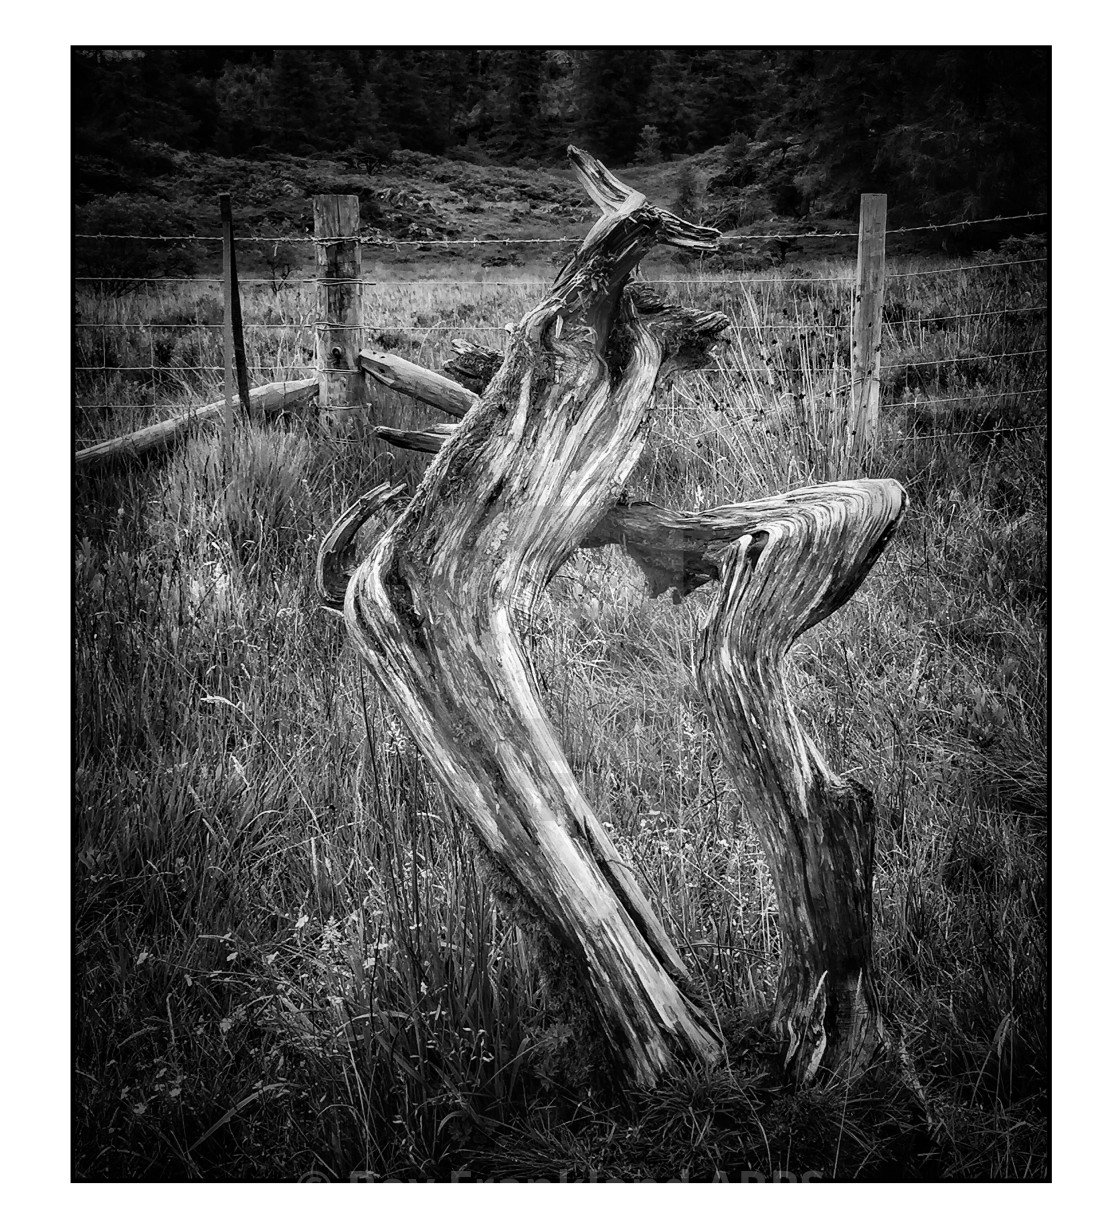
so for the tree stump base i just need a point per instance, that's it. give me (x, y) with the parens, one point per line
(438, 607)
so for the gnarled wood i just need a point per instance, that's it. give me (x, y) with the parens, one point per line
(435, 611)
(803, 557)
(785, 562)
(335, 564)
(473, 366)
(533, 471)
(269, 399)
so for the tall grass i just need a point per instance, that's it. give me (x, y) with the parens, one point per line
(285, 957)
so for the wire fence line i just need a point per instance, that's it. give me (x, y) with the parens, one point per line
(542, 283)
(737, 370)
(887, 366)
(179, 358)
(374, 240)
(810, 328)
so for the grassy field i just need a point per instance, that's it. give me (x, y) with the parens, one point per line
(285, 961)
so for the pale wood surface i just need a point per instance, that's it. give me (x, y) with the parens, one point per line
(436, 610)
(437, 607)
(267, 400)
(416, 381)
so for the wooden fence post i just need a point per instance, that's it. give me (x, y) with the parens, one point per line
(338, 329)
(233, 333)
(867, 327)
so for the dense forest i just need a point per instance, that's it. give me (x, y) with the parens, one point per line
(946, 132)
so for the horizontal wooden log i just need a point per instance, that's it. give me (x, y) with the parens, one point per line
(267, 400)
(416, 381)
(680, 551)
(431, 439)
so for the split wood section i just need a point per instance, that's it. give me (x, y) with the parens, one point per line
(536, 469)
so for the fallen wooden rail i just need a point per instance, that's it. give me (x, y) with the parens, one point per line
(431, 439)
(416, 381)
(267, 400)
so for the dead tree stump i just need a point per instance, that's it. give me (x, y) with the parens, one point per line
(436, 608)
(535, 470)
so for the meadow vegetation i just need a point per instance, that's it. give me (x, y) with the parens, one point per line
(284, 957)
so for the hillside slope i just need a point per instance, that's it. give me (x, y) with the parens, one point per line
(433, 207)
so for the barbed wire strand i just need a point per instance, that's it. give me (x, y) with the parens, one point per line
(967, 315)
(725, 371)
(967, 268)
(915, 403)
(990, 430)
(382, 241)
(971, 396)
(887, 366)
(921, 437)
(158, 370)
(541, 283)
(110, 324)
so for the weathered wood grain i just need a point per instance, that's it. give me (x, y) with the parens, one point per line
(430, 439)
(473, 365)
(803, 556)
(533, 471)
(267, 400)
(338, 329)
(435, 611)
(416, 381)
(335, 563)
(867, 326)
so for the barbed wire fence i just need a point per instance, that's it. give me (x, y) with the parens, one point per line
(959, 339)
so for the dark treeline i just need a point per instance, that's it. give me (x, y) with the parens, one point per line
(944, 131)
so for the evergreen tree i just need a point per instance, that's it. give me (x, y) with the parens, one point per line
(520, 129)
(242, 93)
(726, 85)
(613, 86)
(293, 104)
(944, 132)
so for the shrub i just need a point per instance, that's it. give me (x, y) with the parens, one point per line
(130, 260)
(649, 145)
